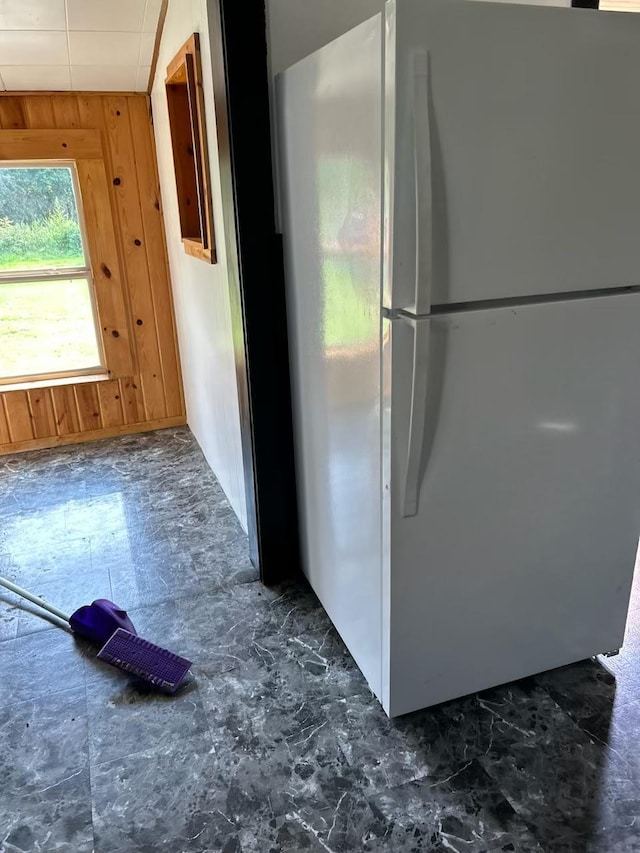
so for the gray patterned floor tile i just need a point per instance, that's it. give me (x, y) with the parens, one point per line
(279, 745)
(40, 664)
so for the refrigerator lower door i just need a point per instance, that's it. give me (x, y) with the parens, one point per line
(519, 557)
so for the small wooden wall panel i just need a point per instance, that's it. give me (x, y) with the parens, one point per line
(110, 403)
(5, 435)
(49, 145)
(127, 195)
(132, 400)
(156, 251)
(66, 410)
(38, 112)
(18, 416)
(88, 407)
(92, 115)
(114, 138)
(65, 111)
(110, 292)
(11, 114)
(42, 413)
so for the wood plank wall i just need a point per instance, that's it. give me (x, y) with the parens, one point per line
(151, 398)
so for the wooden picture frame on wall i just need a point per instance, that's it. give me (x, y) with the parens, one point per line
(185, 104)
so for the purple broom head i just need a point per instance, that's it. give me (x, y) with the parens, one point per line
(100, 620)
(164, 669)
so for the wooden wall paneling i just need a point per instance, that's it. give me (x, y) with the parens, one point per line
(66, 112)
(121, 201)
(107, 277)
(66, 409)
(156, 252)
(18, 415)
(47, 144)
(5, 435)
(110, 400)
(95, 435)
(92, 115)
(88, 406)
(42, 413)
(12, 113)
(38, 112)
(132, 400)
(127, 193)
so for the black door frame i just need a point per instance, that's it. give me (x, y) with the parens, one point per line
(256, 282)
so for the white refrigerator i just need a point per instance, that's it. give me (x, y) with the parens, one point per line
(460, 202)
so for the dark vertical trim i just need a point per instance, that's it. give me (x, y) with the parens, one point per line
(233, 271)
(164, 6)
(256, 282)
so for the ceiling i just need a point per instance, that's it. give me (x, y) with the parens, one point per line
(79, 45)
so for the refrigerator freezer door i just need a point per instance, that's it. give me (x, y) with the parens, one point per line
(520, 557)
(534, 124)
(330, 135)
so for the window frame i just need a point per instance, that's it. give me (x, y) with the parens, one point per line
(51, 275)
(186, 112)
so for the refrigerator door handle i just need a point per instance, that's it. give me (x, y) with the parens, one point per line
(417, 415)
(423, 185)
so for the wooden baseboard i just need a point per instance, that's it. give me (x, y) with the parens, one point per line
(92, 435)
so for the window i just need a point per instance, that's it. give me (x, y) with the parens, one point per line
(48, 325)
(190, 159)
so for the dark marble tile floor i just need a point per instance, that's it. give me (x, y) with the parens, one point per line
(278, 746)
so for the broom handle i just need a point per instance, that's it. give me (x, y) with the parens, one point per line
(34, 598)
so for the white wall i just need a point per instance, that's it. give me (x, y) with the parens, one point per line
(201, 290)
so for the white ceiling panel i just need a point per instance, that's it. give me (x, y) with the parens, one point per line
(36, 77)
(151, 15)
(33, 47)
(147, 43)
(104, 48)
(106, 15)
(32, 15)
(83, 45)
(103, 78)
(142, 79)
